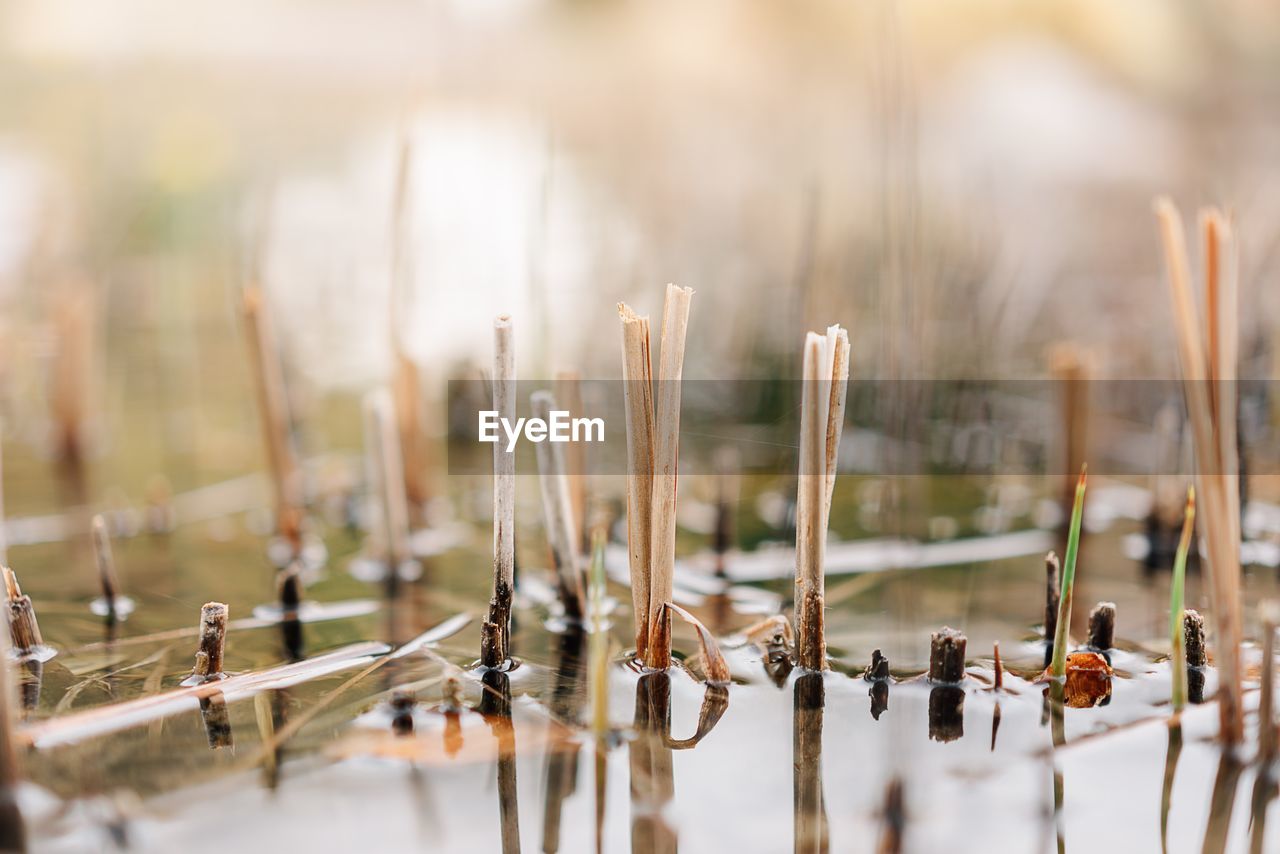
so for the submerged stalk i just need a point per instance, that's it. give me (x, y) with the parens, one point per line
(1176, 605)
(1059, 666)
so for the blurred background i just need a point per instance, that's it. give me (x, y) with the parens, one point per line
(961, 184)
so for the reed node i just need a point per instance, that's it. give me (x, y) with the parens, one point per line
(495, 633)
(213, 641)
(1208, 350)
(666, 447)
(24, 631)
(1058, 667)
(826, 372)
(557, 510)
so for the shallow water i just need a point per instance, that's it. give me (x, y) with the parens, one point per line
(784, 760)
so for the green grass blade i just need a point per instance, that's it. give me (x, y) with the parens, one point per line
(1059, 666)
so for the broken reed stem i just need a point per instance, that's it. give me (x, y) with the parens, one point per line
(1059, 666)
(1102, 626)
(1177, 598)
(998, 667)
(23, 628)
(495, 634)
(273, 412)
(106, 562)
(637, 392)
(569, 388)
(69, 393)
(213, 641)
(406, 392)
(666, 447)
(1193, 638)
(557, 512)
(1052, 594)
(946, 656)
(1212, 414)
(381, 430)
(826, 373)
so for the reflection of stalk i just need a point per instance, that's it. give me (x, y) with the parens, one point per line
(1221, 802)
(652, 774)
(1264, 790)
(562, 756)
(1055, 700)
(1170, 770)
(495, 705)
(810, 808)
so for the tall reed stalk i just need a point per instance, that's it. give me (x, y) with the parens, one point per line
(1208, 375)
(826, 373)
(1177, 605)
(495, 633)
(666, 452)
(1058, 668)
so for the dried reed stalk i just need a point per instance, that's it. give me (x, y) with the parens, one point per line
(569, 388)
(1212, 413)
(666, 447)
(826, 374)
(638, 400)
(495, 634)
(24, 631)
(106, 563)
(406, 392)
(1071, 372)
(69, 392)
(381, 430)
(557, 510)
(273, 410)
(406, 385)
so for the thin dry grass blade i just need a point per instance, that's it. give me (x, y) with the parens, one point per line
(713, 662)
